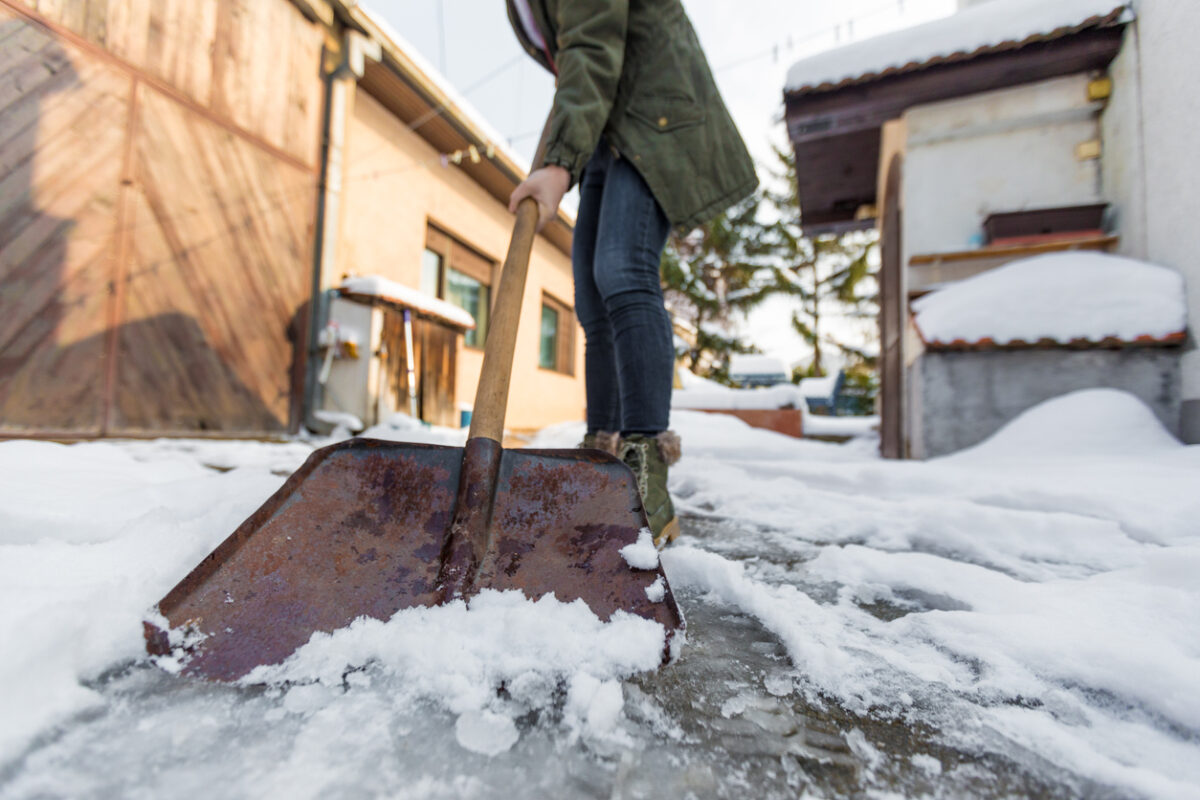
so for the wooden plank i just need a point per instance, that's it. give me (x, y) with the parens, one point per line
(61, 159)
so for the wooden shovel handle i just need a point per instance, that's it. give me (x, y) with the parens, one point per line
(491, 398)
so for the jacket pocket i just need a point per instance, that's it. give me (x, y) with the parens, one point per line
(666, 113)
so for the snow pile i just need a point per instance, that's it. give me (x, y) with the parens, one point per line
(1091, 422)
(385, 289)
(90, 537)
(1060, 296)
(460, 655)
(981, 26)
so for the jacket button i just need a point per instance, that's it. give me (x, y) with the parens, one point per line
(662, 122)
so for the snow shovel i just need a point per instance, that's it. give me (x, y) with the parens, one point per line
(369, 527)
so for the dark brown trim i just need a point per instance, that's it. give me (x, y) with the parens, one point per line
(836, 133)
(1021, 251)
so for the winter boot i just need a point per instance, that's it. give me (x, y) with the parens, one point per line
(608, 441)
(649, 457)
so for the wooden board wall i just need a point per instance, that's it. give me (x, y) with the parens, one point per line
(157, 198)
(61, 139)
(256, 63)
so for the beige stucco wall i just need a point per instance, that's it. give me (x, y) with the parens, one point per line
(1008, 150)
(394, 186)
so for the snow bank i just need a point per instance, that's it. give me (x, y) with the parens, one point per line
(980, 26)
(1090, 422)
(1059, 296)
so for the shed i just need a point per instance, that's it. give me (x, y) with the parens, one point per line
(1009, 130)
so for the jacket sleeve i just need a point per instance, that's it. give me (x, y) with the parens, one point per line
(589, 58)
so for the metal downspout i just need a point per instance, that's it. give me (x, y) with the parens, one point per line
(339, 81)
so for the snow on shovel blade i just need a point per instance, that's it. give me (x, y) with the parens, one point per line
(369, 527)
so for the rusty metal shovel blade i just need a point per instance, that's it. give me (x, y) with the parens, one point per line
(369, 527)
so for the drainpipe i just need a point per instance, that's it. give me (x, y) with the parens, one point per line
(340, 83)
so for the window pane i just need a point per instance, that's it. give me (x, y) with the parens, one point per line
(472, 296)
(431, 273)
(548, 355)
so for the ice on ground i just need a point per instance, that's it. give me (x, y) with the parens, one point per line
(1063, 297)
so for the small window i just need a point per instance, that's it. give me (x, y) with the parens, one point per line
(459, 274)
(548, 355)
(556, 343)
(475, 298)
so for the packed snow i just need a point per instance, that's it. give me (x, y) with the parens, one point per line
(977, 27)
(1017, 618)
(642, 554)
(1063, 297)
(385, 289)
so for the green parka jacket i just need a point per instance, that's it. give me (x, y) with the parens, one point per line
(633, 70)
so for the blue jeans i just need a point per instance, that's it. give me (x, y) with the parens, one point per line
(629, 354)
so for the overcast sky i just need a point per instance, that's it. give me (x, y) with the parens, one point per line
(749, 43)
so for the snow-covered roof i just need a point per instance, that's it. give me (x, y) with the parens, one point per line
(1060, 298)
(375, 286)
(819, 388)
(985, 28)
(754, 364)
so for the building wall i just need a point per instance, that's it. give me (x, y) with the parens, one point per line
(966, 397)
(1009, 150)
(1152, 162)
(395, 185)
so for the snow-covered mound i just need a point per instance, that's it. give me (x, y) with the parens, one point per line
(1062, 297)
(1089, 422)
(982, 26)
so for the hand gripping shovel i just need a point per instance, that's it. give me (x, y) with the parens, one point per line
(369, 527)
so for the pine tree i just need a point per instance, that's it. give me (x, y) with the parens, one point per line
(710, 276)
(829, 274)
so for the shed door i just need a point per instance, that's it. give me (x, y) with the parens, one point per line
(435, 352)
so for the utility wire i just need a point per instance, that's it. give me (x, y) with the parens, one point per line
(791, 42)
